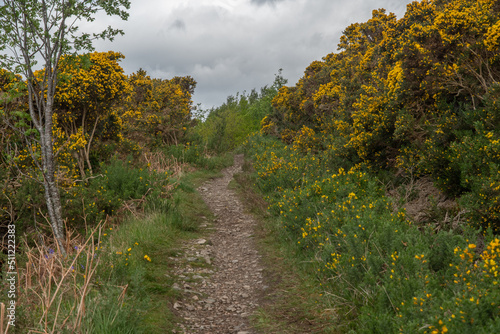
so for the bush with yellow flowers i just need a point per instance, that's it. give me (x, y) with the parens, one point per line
(415, 95)
(379, 270)
(157, 112)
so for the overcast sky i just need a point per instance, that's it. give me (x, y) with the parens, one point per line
(231, 46)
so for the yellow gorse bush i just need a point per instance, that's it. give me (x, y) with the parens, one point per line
(408, 94)
(161, 107)
(365, 253)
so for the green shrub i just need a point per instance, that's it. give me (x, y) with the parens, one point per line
(378, 267)
(477, 158)
(106, 192)
(226, 127)
(197, 155)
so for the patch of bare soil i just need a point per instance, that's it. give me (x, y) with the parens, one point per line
(221, 274)
(425, 204)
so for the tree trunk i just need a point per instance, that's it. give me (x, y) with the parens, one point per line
(52, 196)
(81, 166)
(89, 142)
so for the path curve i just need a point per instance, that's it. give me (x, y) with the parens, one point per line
(222, 274)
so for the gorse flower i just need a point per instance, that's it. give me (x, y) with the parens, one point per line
(344, 223)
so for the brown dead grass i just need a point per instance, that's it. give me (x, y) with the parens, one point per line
(427, 205)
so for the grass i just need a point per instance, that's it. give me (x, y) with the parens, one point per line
(149, 289)
(160, 236)
(377, 270)
(292, 303)
(117, 279)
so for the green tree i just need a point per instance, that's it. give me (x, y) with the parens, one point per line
(44, 30)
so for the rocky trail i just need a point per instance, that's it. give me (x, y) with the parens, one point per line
(220, 275)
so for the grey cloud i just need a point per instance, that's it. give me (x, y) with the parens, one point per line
(229, 46)
(263, 2)
(178, 25)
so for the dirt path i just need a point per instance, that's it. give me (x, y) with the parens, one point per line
(222, 275)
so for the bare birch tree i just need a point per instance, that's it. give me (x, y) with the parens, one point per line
(33, 31)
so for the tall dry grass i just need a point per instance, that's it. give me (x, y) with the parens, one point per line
(54, 291)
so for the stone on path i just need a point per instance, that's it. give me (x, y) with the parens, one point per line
(222, 299)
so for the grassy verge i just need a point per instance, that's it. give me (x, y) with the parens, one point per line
(159, 236)
(375, 269)
(117, 276)
(292, 303)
